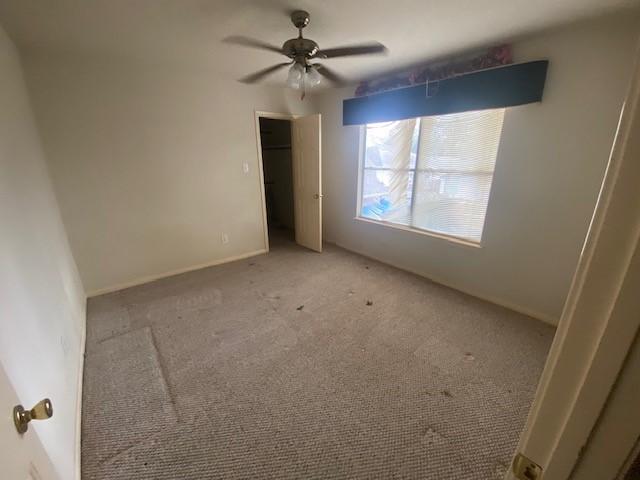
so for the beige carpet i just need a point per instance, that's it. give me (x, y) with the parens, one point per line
(303, 365)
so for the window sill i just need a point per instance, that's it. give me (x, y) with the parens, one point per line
(441, 236)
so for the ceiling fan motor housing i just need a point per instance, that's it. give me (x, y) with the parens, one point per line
(300, 47)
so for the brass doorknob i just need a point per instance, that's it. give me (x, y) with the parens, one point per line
(22, 417)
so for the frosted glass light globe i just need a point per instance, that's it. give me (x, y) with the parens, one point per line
(313, 77)
(294, 79)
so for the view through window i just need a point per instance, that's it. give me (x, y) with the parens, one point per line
(431, 173)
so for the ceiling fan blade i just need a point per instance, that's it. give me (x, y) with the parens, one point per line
(364, 49)
(329, 74)
(260, 74)
(252, 43)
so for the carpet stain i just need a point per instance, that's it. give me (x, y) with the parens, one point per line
(431, 437)
(206, 298)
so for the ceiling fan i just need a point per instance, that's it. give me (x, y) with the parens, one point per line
(301, 51)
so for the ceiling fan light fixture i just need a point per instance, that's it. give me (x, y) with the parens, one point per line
(301, 77)
(294, 78)
(313, 76)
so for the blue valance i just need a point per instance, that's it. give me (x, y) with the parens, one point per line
(499, 87)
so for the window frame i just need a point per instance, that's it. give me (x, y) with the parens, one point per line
(398, 226)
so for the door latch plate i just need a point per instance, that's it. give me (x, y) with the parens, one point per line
(526, 469)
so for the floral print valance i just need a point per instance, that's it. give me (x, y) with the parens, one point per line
(493, 57)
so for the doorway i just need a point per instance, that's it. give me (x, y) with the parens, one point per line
(277, 167)
(290, 159)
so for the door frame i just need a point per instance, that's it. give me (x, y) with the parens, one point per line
(613, 445)
(599, 321)
(258, 114)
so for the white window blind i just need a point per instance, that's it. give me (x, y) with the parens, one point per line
(431, 173)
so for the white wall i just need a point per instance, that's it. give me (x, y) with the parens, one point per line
(147, 163)
(42, 303)
(549, 168)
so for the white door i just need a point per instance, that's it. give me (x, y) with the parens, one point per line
(598, 325)
(307, 181)
(22, 457)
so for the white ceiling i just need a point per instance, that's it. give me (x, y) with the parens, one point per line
(189, 32)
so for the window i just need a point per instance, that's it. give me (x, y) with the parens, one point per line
(431, 173)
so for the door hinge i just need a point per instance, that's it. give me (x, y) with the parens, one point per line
(526, 469)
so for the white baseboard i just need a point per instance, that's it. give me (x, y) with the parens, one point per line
(151, 278)
(498, 301)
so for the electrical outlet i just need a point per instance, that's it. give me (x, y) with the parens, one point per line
(225, 238)
(245, 167)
